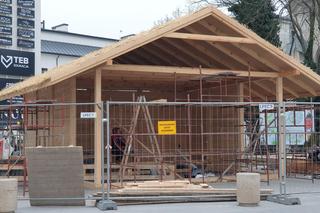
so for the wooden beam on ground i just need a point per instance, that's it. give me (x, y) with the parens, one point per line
(97, 127)
(212, 38)
(189, 71)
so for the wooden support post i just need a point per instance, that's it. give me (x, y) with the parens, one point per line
(241, 117)
(73, 112)
(279, 89)
(281, 129)
(97, 128)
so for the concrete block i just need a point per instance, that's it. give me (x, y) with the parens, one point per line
(248, 189)
(8, 195)
(56, 173)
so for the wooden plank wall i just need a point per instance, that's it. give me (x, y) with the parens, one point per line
(62, 122)
(222, 138)
(217, 120)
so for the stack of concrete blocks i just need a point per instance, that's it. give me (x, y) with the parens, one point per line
(8, 195)
(248, 189)
(55, 176)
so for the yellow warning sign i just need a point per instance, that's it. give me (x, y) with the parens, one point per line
(167, 127)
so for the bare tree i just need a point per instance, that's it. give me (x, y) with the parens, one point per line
(305, 18)
(190, 7)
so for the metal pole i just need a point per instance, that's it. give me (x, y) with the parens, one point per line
(282, 149)
(108, 151)
(201, 123)
(106, 204)
(283, 198)
(102, 151)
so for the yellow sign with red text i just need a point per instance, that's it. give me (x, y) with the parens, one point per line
(167, 127)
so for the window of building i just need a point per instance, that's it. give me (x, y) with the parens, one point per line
(43, 70)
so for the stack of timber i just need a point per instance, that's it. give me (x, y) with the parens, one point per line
(172, 192)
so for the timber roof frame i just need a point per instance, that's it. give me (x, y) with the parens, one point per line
(102, 57)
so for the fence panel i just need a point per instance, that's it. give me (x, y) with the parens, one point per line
(201, 142)
(55, 126)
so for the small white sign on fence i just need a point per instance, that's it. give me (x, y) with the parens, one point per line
(266, 107)
(88, 115)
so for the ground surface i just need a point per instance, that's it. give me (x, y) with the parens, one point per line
(308, 192)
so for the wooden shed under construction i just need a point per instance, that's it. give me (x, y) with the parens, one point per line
(203, 57)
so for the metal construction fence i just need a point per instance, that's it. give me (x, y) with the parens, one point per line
(206, 142)
(201, 142)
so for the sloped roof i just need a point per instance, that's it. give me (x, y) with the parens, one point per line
(262, 49)
(67, 49)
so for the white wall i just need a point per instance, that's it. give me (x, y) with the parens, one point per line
(74, 39)
(49, 60)
(285, 35)
(286, 40)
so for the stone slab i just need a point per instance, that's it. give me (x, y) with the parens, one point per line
(55, 176)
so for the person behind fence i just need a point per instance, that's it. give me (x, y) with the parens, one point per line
(118, 144)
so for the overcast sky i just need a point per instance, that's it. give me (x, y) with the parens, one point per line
(107, 18)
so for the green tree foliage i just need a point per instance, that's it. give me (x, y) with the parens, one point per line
(258, 15)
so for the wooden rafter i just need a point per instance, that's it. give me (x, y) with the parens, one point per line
(254, 93)
(230, 55)
(218, 61)
(260, 56)
(158, 55)
(298, 82)
(145, 57)
(219, 58)
(172, 54)
(238, 57)
(286, 88)
(201, 60)
(212, 38)
(265, 88)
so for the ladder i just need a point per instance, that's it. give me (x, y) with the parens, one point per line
(155, 148)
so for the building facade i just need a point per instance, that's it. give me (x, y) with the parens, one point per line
(290, 42)
(27, 48)
(59, 46)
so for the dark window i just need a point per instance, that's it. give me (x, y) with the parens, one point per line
(43, 70)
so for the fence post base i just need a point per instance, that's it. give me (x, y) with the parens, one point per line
(105, 205)
(283, 199)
